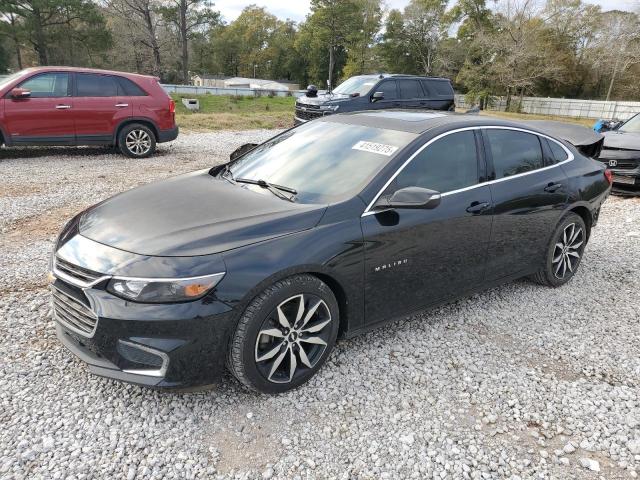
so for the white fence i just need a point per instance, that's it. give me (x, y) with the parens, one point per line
(564, 107)
(246, 92)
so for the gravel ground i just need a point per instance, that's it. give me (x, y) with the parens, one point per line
(517, 382)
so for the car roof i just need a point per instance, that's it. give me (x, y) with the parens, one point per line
(401, 75)
(418, 121)
(84, 70)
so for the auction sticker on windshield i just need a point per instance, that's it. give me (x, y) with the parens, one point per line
(373, 147)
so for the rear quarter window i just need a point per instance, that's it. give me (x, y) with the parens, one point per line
(127, 88)
(559, 153)
(438, 88)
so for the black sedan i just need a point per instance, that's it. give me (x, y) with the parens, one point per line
(327, 229)
(621, 153)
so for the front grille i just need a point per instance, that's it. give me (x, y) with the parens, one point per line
(620, 163)
(72, 313)
(74, 271)
(308, 114)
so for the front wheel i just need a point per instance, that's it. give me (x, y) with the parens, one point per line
(285, 335)
(137, 141)
(564, 252)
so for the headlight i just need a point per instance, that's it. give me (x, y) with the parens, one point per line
(329, 107)
(163, 290)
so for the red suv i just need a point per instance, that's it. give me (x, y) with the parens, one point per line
(74, 106)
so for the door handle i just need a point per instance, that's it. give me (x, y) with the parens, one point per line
(478, 207)
(122, 105)
(63, 107)
(552, 187)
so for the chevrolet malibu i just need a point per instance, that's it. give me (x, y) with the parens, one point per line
(326, 230)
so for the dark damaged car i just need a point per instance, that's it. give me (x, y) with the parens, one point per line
(328, 229)
(621, 154)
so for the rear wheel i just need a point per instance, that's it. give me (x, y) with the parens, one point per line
(564, 252)
(136, 141)
(284, 335)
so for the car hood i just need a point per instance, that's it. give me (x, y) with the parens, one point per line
(194, 214)
(321, 99)
(622, 140)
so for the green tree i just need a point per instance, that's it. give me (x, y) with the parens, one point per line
(45, 23)
(188, 18)
(331, 23)
(361, 56)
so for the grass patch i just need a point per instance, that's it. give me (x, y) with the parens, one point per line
(224, 112)
(585, 122)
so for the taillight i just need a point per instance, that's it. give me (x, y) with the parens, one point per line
(609, 176)
(172, 106)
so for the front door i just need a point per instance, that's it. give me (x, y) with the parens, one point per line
(529, 198)
(390, 90)
(44, 117)
(98, 107)
(414, 258)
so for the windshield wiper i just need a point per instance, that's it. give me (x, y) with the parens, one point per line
(272, 187)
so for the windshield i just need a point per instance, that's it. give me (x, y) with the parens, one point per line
(322, 160)
(356, 85)
(632, 125)
(7, 80)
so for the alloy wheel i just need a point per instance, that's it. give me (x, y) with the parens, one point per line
(293, 338)
(138, 142)
(566, 253)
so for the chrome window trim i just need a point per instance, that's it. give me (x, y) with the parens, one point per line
(158, 372)
(570, 157)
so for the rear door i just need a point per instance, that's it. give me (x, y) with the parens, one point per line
(99, 108)
(46, 117)
(411, 94)
(529, 198)
(415, 258)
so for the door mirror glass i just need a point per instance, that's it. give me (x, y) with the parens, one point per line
(241, 150)
(410, 197)
(20, 93)
(377, 96)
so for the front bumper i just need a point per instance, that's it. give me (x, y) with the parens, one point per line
(169, 345)
(168, 135)
(163, 345)
(625, 168)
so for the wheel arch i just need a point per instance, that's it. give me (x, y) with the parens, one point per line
(336, 285)
(141, 120)
(586, 216)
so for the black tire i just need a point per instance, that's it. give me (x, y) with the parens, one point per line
(249, 343)
(136, 141)
(556, 272)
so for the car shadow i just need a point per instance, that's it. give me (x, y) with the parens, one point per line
(12, 153)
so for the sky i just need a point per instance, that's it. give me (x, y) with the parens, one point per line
(298, 9)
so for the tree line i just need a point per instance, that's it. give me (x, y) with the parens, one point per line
(563, 48)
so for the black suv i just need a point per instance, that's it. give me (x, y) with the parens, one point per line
(376, 92)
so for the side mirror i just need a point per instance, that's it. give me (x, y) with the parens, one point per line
(241, 150)
(410, 197)
(377, 96)
(19, 93)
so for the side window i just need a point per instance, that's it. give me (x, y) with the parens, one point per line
(514, 152)
(92, 85)
(410, 89)
(447, 164)
(127, 88)
(442, 88)
(47, 85)
(428, 92)
(559, 153)
(388, 87)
